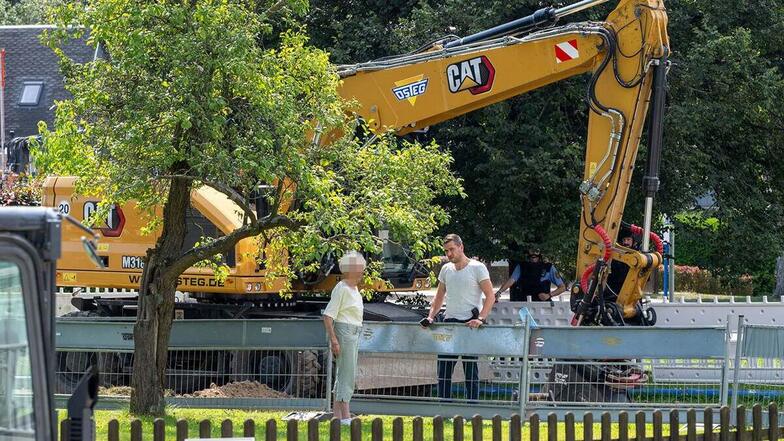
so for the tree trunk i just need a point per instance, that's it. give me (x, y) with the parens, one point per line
(156, 306)
(779, 277)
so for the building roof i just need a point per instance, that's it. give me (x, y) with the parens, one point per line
(27, 61)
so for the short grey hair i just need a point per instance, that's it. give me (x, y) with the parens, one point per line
(453, 238)
(351, 258)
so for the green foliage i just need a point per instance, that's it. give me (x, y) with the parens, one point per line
(207, 91)
(26, 12)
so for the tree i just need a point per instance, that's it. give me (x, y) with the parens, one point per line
(25, 12)
(205, 93)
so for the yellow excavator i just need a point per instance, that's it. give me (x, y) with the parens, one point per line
(626, 57)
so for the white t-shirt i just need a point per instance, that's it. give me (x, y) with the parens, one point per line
(462, 288)
(345, 305)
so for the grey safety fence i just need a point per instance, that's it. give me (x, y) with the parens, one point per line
(574, 369)
(285, 364)
(212, 363)
(759, 365)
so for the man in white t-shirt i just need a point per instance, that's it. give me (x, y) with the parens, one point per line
(462, 281)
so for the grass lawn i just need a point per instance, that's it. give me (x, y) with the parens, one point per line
(238, 417)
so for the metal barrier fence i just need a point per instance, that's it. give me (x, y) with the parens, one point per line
(407, 370)
(212, 363)
(761, 351)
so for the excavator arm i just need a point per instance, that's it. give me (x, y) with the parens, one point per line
(626, 56)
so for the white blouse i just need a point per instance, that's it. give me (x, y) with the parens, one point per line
(345, 305)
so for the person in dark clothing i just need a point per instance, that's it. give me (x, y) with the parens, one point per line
(532, 278)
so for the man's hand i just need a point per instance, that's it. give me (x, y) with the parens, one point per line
(544, 296)
(335, 346)
(425, 322)
(474, 323)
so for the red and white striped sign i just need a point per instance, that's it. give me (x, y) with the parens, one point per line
(566, 51)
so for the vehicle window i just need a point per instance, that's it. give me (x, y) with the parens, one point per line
(16, 389)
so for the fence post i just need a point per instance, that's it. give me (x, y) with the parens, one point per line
(724, 421)
(658, 425)
(639, 426)
(569, 429)
(725, 370)
(707, 424)
(552, 427)
(773, 422)
(397, 429)
(182, 430)
(675, 425)
(227, 429)
(756, 422)
(328, 401)
(516, 428)
(356, 429)
(158, 429)
(457, 428)
(740, 421)
(606, 427)
(377, 430)
(588, 426)
(497, 428)
(271, 432)
(249, 429)
(533, 427)
(114, 430)
(476, 427)
(313, 430)
(334, 429)
(205, 431)
(738, 355)
(691, 425)
(623, 426)
(417, 429)
(136, 430)
(292, 430)
(523, 385)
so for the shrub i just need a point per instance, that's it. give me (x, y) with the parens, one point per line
(696, 279)
(20, 190)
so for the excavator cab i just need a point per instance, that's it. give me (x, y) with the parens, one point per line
(29, 248)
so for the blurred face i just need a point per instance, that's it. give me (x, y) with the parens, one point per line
(627, 242)
(354, 269)
(454, 252)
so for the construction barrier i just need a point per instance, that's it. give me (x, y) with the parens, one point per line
(405, 369)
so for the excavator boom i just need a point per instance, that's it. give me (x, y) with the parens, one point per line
(413, 91)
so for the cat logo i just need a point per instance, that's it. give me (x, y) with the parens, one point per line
(410, 88)
(475, 75)
(113, 223)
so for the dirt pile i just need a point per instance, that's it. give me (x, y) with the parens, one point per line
(241, 389)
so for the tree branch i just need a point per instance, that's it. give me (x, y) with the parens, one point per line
(225, 189)
(208, 250)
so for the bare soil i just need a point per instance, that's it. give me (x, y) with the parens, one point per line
(241, 389)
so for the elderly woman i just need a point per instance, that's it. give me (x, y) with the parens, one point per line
(343, 321)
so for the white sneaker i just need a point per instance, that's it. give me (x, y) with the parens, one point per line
(345, 422)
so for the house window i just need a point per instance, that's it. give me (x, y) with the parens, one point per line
(31, 93)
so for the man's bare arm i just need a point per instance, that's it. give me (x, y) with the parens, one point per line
(438, 301)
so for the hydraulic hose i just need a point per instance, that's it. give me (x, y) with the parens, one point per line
(586, 277)
(657, 241)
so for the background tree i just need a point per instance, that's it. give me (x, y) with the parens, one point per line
(521, 159)
(207, 93)
(25, 12)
